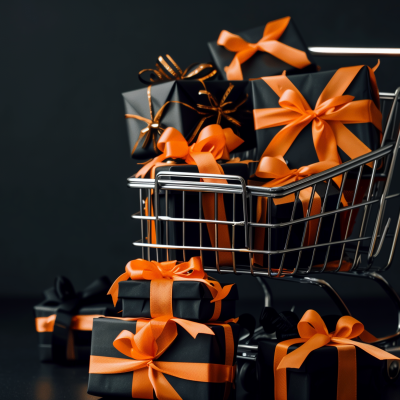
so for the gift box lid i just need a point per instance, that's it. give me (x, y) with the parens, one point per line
(181, 290)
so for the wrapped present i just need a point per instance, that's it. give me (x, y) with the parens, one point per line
(213, 144)
(325, 365)
(274, 172)
(162, 358)
(186, 106)
(64, 319)
(326, 116)
(151, 289)
(263, 51)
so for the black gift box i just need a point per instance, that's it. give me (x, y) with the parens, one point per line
(261, 63)
(281, 213)
(203, 349)
(317, 377)
(191, 210)
(186, 119)
(302, 152)
(81, 339)
(190, 300)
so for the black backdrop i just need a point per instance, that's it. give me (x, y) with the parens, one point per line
(64, 156)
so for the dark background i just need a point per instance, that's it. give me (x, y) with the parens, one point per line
(64, 154)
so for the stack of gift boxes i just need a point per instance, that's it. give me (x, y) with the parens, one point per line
(271, 118)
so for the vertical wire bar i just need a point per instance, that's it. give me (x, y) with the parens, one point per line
(269, 203)
(216, 229)
(305, 227)
(141, 221)
(233, 231)
(339, 201)
(319, 225)
(201, 228)
(166, 224)
(360, 170)
(149, 224)
(250, 244)
(289, 232)
(183, 224)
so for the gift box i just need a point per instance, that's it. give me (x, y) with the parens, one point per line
(277, 41)
(187, 106)
(190, 300)
(304, 118)
(190, 207)
(64, 319)
(190, 360)
(360, 375)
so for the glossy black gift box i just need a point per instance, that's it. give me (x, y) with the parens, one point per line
(203, 349)
(190, 115)
(190, 300)
(317, 377)
(261, 63)
(175, 206)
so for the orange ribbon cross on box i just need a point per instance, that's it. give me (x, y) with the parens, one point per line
(269, 43)
(314, 334)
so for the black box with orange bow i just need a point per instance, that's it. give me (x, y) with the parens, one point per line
(187, 360)
(188, 106)
(262, 51)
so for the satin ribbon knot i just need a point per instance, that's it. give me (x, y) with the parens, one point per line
(314, 334)
(269, 43)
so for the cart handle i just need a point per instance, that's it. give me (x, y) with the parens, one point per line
(354, 51)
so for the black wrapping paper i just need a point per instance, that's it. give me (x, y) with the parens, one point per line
(81, 339)
(282, 213)
(262, 64)
(317, 378)
(302, 152)
(203, 349)
(184, 118)
(190, 300)
(192, 209)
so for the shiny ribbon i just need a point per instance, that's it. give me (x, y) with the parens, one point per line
(162, 275)
(148, 344)
(314, 335)
(269, 43)
(213, 143)
(169, 70)
(332, 111)
(276, 169)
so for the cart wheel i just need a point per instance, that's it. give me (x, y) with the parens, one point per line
(247, 376)
(393, 369)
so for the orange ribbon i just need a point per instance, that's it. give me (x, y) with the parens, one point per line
(162, 275)
(165, 71)
(78, 323)
(314, 335)
(213, 143)
(147, 345)
(332, 111)
(268, 43)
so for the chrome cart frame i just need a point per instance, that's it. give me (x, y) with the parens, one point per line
(362, 247)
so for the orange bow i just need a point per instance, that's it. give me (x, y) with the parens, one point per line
(268, 43)
(147, 345)
(276, 169)
(213, 143)
(314, 335)
(332, 111)
(162, 275)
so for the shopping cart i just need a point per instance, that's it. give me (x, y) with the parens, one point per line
(367, 248)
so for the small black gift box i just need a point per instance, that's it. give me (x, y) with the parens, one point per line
(317, 377)
(215, 350)
(64, 319)
(263, 63)
(190, 300)
(187, 106)
(191, 207)
(344, 107)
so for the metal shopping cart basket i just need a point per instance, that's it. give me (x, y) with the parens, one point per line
(367, 248)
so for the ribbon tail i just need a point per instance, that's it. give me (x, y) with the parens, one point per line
(114, 287)
(222, 293)
(162, 388)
